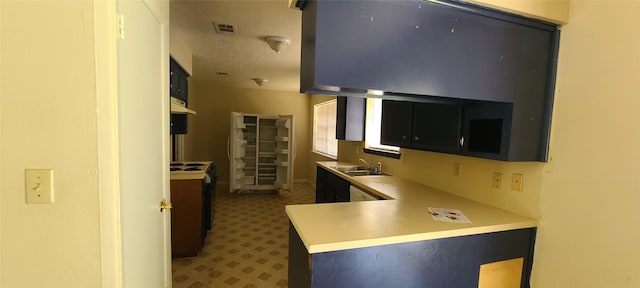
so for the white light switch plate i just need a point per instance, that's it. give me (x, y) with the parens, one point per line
(39, 185)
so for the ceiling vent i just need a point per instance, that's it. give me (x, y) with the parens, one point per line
(225, 29)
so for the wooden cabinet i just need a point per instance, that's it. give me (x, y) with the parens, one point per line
(437, 263)
(350, 118)
(179, 84)
(330, 187)
(421, 126)
(186, 217)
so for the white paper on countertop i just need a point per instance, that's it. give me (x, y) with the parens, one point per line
(448, 215)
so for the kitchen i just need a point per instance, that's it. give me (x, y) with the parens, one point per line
(212, 86)
(571, 184)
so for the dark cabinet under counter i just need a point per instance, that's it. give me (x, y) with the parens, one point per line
(330, 187)
(437, 263)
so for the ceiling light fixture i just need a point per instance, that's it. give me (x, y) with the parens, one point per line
(260, 81)
(277, 43)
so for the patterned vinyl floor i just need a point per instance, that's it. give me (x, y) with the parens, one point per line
(248, 245)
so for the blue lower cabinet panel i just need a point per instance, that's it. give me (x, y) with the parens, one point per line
(440, 263)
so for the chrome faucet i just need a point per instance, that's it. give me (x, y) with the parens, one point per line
(373, 169)
(366, 164)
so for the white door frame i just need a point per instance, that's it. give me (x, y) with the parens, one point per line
(105, 23)
(106, 94)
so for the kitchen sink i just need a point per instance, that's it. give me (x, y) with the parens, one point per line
(355, 170)
(345, 169)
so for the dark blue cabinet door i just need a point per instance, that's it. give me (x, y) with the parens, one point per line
(396, 125)
(321, 185)
(436, 127)
(178, 124)
(179, 84)
(350, 118)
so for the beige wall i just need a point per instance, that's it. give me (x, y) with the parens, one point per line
(209, 129)
(48, 120)
(474, 182)
(181, 51)
(589, 229)
(556, 11)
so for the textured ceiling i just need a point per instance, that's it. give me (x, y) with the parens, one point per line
(245, 55)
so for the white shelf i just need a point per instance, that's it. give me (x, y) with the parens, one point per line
(283, 123)
(282, 139)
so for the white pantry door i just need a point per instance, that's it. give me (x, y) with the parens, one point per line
(142, 143)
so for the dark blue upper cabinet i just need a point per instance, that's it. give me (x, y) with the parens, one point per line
(423, 48)
(501, 65)
(178, 82)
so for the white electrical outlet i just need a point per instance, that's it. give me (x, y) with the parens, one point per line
(516, 181)
(497, 180)
(39, 185)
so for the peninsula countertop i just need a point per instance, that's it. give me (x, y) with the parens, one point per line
(404, 217)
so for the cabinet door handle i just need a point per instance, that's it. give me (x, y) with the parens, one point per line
(416, 138)
(461, 141)
(179, 90)
(404, 137)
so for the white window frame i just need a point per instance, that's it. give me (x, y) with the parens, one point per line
(329, 131)
(373, 127)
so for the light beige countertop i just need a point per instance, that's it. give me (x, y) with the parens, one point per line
(405, 218)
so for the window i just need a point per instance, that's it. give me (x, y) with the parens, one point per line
(324, 129)
(372, 131)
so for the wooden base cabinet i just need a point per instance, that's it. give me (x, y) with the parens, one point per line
(186, 217)
(438, 263)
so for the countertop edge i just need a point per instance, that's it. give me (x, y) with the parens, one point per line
(312, 248)
(337, 246)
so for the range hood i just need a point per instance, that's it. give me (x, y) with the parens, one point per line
(178, 107)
